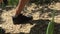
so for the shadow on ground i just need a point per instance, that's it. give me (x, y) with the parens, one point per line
(40, 27)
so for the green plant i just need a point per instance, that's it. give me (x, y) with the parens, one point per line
(13, 2)
(50, 28)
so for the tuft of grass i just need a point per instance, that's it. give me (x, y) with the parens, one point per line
(13, 2)
(50, 28)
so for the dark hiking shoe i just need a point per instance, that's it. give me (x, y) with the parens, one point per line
(21, 19)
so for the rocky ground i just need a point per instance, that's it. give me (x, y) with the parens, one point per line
(41, 17)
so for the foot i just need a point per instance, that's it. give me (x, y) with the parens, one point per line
(20, 19)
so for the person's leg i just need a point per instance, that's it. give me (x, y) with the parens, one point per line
(1, 1)
(20, 18)
(20, 6)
